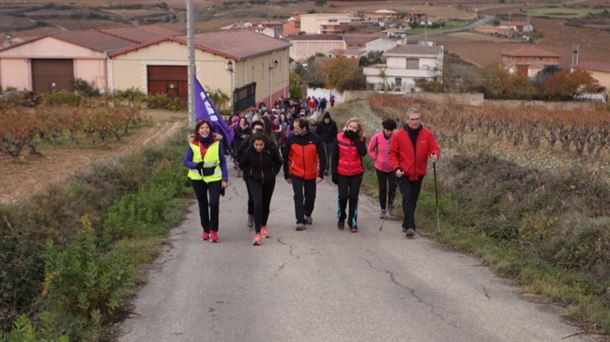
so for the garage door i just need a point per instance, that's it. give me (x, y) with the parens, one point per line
(52, 74)
(168, 79)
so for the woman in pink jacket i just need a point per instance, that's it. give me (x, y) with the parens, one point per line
(379, 149)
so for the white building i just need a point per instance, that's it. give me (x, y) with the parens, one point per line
(306, 45)
(312, 23)
(405, 64)
(381, 44)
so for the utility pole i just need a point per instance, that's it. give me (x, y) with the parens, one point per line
(190, 33)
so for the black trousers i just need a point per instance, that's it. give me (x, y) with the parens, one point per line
(250, 202)
(304, 197)
(261, 196)
(386, 182)
(410, 193)
(349, 188)
(208, 209)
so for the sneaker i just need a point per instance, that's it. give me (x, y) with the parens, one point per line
(382, 214)
(340, 225)
(404, 229)
(250, 221)
(308, 220)
(265, 232)
(354, 229)
(300, 226)
(410, 234)
(257, 240)
(214, 236)
(205, 236)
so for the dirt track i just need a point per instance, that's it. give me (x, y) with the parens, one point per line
(21, 178)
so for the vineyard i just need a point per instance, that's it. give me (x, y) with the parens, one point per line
(585, 132)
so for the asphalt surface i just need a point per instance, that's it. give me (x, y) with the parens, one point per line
(322, 284)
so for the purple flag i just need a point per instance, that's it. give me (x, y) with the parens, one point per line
(205, 110)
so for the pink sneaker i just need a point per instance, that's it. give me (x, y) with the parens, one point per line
(257, 240)
(205, 236)
(214, 236)
(265, 232)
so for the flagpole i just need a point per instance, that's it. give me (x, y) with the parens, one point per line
(190, 33)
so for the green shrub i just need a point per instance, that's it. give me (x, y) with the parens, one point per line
(62, 98)
(84, 88)
(162, 101)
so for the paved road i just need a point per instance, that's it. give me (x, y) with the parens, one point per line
(486, 19)
(326, 285)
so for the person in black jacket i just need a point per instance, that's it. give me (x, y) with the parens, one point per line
(327, 130)
(257, 126)
(261, 162)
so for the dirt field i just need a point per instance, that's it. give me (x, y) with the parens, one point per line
(21, 178)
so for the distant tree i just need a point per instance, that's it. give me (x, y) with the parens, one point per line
(313, 76)
(565, 85)
(373, 57)
(343, 73)
(295, 85)
(429, 85)
(497, 82)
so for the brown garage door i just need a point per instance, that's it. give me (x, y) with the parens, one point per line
(52, 74)
(170, 80)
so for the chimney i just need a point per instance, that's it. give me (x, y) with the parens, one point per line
(8, 40)
(575, 51)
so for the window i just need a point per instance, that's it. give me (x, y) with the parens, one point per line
(398, 82)
(412, 63)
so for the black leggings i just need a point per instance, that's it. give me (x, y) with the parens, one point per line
(209, 221)
(410, 193)
(261, 196)
(387, 188)
(349, 188)
(250, 203)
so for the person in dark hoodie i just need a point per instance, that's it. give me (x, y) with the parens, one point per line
(257, 126)
(409, 152)
(304, 164)
(207, 165)
(327, 130)
(347, 170)
(261, 162)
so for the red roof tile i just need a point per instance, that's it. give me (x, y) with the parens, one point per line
(593, 66)
(315, 37)
(529, 51)
(93, 40)
(139, 34)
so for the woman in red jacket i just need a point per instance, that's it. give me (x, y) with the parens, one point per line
(347, 171)
(409, 152)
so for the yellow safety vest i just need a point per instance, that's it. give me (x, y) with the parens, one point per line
(211, 159)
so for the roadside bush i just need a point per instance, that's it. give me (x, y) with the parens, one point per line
(62, 98)
(162, 101)
(84, 88)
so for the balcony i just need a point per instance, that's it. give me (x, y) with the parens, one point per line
(376, 71)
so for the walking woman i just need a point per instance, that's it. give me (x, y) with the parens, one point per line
(207, 165)
(261, 162)
(347, 171)
(379, 150)
(242, 133)
(257, 126)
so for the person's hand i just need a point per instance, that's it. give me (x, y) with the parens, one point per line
(318, 179)
(335, 178)
(399, 173)
(433, 157)
(218, 136)
(224, 184)
(199, 166)
(289, 180)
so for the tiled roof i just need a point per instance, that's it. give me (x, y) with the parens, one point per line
(414, 50)
(139, 34)
(237, 44)
(593, 66)
(315, 37)
(360, 39)
(94, 40)
(529, 51)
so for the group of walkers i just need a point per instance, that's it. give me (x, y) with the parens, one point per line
(308, 151)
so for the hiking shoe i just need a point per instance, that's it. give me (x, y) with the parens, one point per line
(257, 240)
(410, 234)
(404, 229)
(354, 229)
(382, 214)
(308, 220)
(205, 236)
(300, 226)
(250, 221)
(214, 236)
(340, 225)
(265, 232)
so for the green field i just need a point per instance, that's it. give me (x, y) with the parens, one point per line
(449, 25)
(564, 12)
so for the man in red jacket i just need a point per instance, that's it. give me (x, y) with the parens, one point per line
(409, 153)
(304, 165)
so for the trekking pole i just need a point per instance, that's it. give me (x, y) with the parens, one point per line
(438, 222)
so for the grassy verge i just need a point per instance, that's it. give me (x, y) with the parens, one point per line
(549, 232)
(70, 254)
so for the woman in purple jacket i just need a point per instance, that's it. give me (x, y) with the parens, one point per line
(379, 149)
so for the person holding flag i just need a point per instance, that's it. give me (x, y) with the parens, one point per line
(207, 165)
